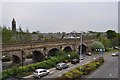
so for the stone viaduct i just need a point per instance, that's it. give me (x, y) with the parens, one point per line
(40, 50)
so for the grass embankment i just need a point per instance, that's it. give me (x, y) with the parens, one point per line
(46, 64)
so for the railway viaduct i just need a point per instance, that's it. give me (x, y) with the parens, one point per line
(40, 50)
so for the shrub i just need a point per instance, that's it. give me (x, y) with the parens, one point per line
(83, 70)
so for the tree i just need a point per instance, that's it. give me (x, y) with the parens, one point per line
(106, 42)
(114, 41)
(111, 34)
(63, 34)
(34, 32)
(97, 45)
(6, 35)
(98, 34)
(40, 36)
(119, 39)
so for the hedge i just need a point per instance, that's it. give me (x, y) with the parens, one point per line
(47, 64)
(82, 70)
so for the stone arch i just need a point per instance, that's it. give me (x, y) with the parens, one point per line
(37, 56)
(67, 49)
(52, 52)
(28, 54)
(84, 49)
(16, 59)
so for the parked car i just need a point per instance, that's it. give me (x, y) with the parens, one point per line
(89, 54)
(61, 66)
(38, 73)
(115, 54)
(81, 58)
(74, 61)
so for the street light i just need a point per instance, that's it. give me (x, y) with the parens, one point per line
(81, 45)
(22, 58)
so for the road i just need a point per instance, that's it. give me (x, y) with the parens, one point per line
(108, 70)
(56, 73)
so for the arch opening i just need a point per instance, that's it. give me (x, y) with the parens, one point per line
(29, 56)
(15, 59)
(67, 49)
(52, 52)
(37, 56)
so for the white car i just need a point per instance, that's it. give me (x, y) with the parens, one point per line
(115, 54)
(38, 73)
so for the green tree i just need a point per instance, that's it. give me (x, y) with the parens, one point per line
(111, 34)
(97, 44)
(114, 41)
(63, 34)
(24, 36)
(119, 39)
(106, 42)
(6, 35)
(98, 34)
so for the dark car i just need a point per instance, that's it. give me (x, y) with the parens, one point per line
(61, 66)
(89, 54)
(74, 61)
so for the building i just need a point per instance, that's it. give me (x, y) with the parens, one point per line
(14, 26)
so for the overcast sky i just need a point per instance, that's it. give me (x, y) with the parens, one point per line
(61, 16)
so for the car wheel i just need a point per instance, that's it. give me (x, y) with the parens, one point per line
(48, 73)
(39, 76)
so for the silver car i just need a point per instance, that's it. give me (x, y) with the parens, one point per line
(115, 54)
(38, 73)
(61, 66)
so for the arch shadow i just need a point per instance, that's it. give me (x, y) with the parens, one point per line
(15, 59)
(84, 49)
(37, 56)
(52, 52)
(68, 49)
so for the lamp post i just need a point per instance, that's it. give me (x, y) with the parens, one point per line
(22, 58)
(81, 45)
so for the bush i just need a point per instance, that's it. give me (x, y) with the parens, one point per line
(83, 70)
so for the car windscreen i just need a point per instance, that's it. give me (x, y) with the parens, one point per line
(35, 71)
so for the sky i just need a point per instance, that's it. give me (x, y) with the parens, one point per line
(61, 16)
